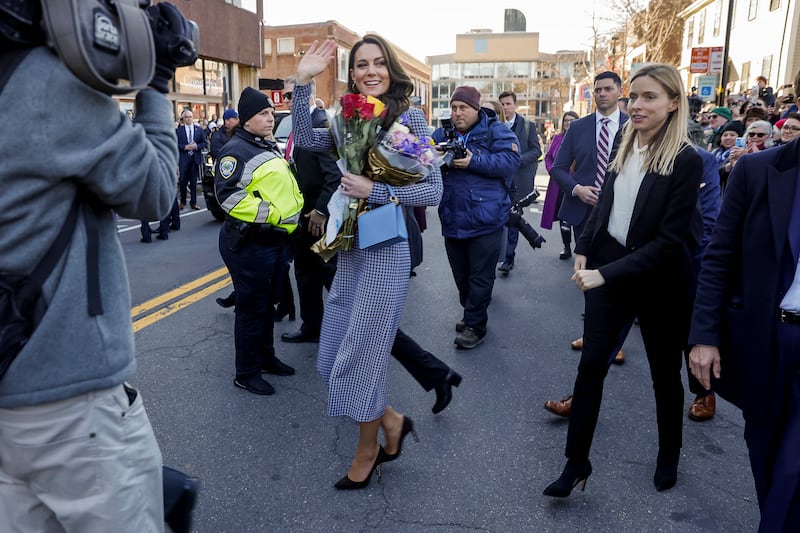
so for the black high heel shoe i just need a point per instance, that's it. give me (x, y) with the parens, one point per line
(281, 311)
(574, 472)
(444, 391)
(666, 470)
(348, 484)
(408, 427)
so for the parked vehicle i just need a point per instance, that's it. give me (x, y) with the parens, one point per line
(208, 187)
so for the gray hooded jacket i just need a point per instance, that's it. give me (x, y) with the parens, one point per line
(128, 166)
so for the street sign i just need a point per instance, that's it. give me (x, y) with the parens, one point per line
(706, 86)
(700, 60)
(715, 60)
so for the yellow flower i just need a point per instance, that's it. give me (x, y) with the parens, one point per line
(379, 106)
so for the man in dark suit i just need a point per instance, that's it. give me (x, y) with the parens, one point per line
(318, 177)
(530, 151)
(746, 323)
(580, 165)
(191, 140)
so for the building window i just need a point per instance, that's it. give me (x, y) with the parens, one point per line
(689, 32)
(766, 66)
(752, 10)
(745, 75)
(717, 17)
(342, 59)
(481, 46)
(701, 27)
(285, 45)
(774, 4)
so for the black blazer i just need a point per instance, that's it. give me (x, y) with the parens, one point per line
(659, 234)
(740, 289)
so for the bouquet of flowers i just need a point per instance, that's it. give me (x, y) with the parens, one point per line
(396, 157)
(354, 129)
(400, 157)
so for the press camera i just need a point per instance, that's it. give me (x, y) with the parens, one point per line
(453, 145)
(516, 221)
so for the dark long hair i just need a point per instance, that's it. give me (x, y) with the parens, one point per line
(400, 84)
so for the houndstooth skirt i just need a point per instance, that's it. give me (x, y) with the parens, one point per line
(361, 318)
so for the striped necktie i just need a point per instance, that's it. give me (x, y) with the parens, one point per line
(602, 152)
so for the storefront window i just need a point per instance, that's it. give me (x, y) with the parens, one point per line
(191, 79)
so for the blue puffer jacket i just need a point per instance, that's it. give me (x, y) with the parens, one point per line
(475, 199)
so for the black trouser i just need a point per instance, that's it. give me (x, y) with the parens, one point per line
(189, 172)
(772, 435)
(312, 274)
(473, 264)
(257, 271)
(661, 310)
(423, 366)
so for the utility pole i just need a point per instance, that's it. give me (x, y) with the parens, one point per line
(723, 83)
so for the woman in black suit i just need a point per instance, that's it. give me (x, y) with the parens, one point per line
(634, 260)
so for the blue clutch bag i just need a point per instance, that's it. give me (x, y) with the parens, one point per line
(382, 226)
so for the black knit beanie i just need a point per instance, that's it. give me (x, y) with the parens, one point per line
(252, 102)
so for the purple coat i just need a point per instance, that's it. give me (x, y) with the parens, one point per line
(551, 197)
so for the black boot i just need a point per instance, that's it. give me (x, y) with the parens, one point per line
(566, 238)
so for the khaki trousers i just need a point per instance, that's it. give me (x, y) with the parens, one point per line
(86, 464)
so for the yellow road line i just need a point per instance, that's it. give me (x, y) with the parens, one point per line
(180, 304)
(149, 305)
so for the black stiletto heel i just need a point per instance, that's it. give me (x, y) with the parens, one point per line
(408, 427)
(282, 311)
(348, 484)
(574, 473)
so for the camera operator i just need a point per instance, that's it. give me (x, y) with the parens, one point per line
(475, 205)
(77, 452)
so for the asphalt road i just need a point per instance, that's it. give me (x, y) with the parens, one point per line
(269, 463)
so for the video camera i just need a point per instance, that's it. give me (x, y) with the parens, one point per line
(516, 221)
(107, 44)
(453, 147)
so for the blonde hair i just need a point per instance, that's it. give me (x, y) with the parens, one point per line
(495, 105)
(672, 137)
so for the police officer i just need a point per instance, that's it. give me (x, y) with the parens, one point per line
(262, 201)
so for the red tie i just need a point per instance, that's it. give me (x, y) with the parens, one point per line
(602, 153)
(289, 146)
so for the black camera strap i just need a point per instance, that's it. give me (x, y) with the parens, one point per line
(9, 61)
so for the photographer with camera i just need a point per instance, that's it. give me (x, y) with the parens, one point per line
(77, 452)
(481, 156)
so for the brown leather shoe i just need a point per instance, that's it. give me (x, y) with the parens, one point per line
(561, 407)
(577, 344)
(703, 408)
(619, 358)
(181, 206)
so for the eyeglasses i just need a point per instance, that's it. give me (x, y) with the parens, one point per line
(756, 134)
(712, 117)
(790, 128)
